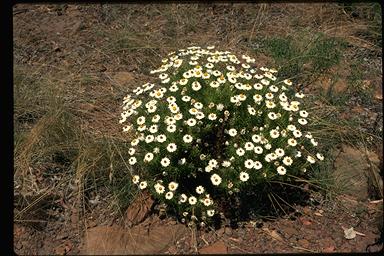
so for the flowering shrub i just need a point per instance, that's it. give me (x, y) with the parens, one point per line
(212, 126)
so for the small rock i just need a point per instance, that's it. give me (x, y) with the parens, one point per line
(303, 243)
(305, 221)
(61, 236)
(307, 210)
(139, 208)
(77, 27)
(91, 224)
(217, 248)
(228, 231)
(122, 78)
(172, 250)
(329, 249)
(289, 231)
(136, 240)
(220, 232)
(340, 86)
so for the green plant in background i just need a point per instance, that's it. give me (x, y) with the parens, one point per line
(213, 126)
(304, 57)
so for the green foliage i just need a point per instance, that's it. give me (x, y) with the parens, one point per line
(305, 56)
(214, 126)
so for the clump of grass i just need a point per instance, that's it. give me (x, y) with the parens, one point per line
(53, 141)
(303, 60)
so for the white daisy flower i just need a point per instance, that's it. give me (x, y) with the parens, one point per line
(303, 113)
(251, 110)
(320, 156)
(140, 120)
(183, 81)
(248, 164)
(210, 213)
(153, 128)
(220, 107)
(191, 122)
(264, 81)
(161, 138)
(155, 118)
(269, 96)
(208, 168)
(196, 86)
(279, 152)
(297, 133)
(291, 127)
(165, 162)
(292, 142)
(283, 97)
(287, 161)
(173, 186)
(212, 116)
(314, 143)
(207, 201)
(174, 88)
(257, 165)
(192, 200)
(186, 98)
(131, 151)
(216, 73)
(270, 104)
(302, 121)
(287, 82)
(213, 163)
(149, 138)
(214, 84)
(135, 179)
(183, 198)
(173, 108)
(272, 115)
(244, 176)
(171, 128)
(148, 157)
(226, 163)
(308, 135)
(171, 147)
(132, 160)
(143, 185)
(200, 190)
(232, 132)
(169, 195)
(142, 128)
(232, 79)
(311, 159)
(281, 170)
(256, 138)
(182, 161)
(249, 146)
(187, 138)
(258, 150)
(299, 95)
(273, 88)
(152, 109)
(159, 188)
(200, 115)
(216, 179)
(198, 105)
(240, 152)
(274, 133)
